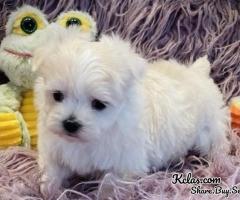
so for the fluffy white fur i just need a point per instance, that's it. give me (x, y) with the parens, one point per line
(155, 112)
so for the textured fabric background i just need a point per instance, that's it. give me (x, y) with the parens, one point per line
(19, 180)
(180, 29)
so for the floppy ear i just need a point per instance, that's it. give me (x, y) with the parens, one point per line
(38, 60)
(52, 37)
(138, 65)
(85, 22)
(43, 59)
(131, 63)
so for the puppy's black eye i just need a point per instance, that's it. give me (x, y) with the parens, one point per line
(58, 96)
(98, 105)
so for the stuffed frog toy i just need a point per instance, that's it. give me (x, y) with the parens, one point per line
(17, 113)
(24, 33)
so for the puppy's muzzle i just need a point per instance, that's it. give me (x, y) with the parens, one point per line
(71, 125)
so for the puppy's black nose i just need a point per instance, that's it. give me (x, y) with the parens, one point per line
(71, 125)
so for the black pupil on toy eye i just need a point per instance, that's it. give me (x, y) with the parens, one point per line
(28, 25)
(73, 22)
(98, 105)
(58, 96)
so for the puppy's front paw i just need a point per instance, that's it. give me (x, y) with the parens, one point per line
(45, 190)
(48, 187)
(52, 178)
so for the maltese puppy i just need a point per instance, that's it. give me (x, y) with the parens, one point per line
(102, 107)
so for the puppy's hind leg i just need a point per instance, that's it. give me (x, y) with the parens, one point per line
(212, 137)
(220, 133)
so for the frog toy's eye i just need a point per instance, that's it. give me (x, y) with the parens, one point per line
(78, 19)
(29, 25)
(73, 21)
(25, 21)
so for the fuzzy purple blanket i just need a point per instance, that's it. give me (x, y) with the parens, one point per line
(180, 29)
(19, 180)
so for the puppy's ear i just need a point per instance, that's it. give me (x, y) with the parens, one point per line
(52, 37)
(137, 65)
(42, 61)
(38, 60)
(127, 59)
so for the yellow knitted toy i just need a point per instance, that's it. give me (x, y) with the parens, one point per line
(10, 130)
(29, 115)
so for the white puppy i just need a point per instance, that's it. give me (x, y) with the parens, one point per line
(102, 107)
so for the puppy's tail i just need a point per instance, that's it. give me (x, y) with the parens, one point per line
(201, 66)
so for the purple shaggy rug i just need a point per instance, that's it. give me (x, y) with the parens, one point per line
(19, 180)
(180, 29)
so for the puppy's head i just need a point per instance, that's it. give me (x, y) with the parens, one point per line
(83, 87)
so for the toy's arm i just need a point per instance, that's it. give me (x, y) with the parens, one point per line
(9, 97)
(13, 130)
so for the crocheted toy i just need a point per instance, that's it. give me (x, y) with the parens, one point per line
(23, 35)
(235, 112)
(17, 113)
